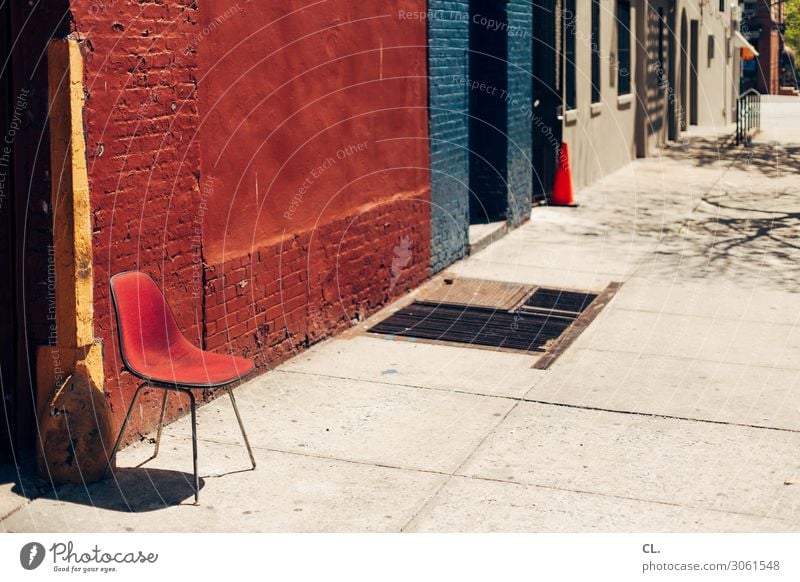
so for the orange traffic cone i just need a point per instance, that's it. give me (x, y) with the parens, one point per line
(562, 185)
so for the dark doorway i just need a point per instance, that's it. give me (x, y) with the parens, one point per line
(672, 91)
(693, 64)
(546, 96)
(8, 349)
(488, 94)
(26, 229)
(660, 99)
(684, 70)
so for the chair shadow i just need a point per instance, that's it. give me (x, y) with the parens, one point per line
(137, 489)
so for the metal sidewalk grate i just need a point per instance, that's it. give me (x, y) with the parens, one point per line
(479, 326)
(559, 301)
(495, 314)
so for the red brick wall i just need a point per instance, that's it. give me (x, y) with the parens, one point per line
(286, 94)
(143, 158)
(303, 230)
(359, 240)
(277, 300)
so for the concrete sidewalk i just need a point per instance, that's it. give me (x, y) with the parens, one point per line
(678, 409)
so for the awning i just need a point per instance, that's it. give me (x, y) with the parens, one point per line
(749, 52)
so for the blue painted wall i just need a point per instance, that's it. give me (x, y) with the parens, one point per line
(448, 70)
(448, 26)
(520, 124)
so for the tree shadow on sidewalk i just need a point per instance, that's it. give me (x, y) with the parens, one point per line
(137, 489)
(753, 250)
(768, 159)
(744, 227)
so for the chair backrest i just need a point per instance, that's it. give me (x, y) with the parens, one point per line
(147, 330)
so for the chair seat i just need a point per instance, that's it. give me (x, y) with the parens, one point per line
(191, 366)
(153, 347)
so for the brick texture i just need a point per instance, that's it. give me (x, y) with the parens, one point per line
(520, 127)
(448, 28)
(277, 300)
(141, 118)
(269, 302)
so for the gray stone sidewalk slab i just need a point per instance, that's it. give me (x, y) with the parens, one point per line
(286, 493)
(713, 256)
(10, 494)
(375, 358)
(702, 465)
(618, 260)
(663, 385)
(695, 337)
(431, 430)
(474, 505)
(717, 299)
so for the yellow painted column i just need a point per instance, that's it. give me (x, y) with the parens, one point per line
(72, 228)
(75, 428)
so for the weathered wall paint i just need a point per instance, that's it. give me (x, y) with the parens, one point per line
(448, 64)
(73, 324)
(140, 115)
(340, 90)
(74, 421)
(307, 115)
(520, 111)
(315, 168)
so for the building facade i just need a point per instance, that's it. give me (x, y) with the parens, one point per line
(762, 25)
(285, 172)
(644, 72)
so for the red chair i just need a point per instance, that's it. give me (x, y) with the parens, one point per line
(154, 349)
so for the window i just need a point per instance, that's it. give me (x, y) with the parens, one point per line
(623, 47)
(570, 23)
(722, 5)
(595, 51)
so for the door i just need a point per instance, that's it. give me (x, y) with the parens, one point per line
(693, 64)
(8, 349)
(546, 101)
(684, 81)
(488, 92)
(660, 82)
(26, 221)
(672, 76)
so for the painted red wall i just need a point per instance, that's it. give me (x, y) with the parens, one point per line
(172, 83)
(286, 94)
(314, 151)
(140, 118)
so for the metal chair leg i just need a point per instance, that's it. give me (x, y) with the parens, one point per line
(124, 426)
(194, 447)
(241, 427)
(161, 423)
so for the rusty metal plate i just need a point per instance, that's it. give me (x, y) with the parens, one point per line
(476, 293)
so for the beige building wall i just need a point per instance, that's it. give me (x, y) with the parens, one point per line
(604, 136)
(717, 89)
(600, 136)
